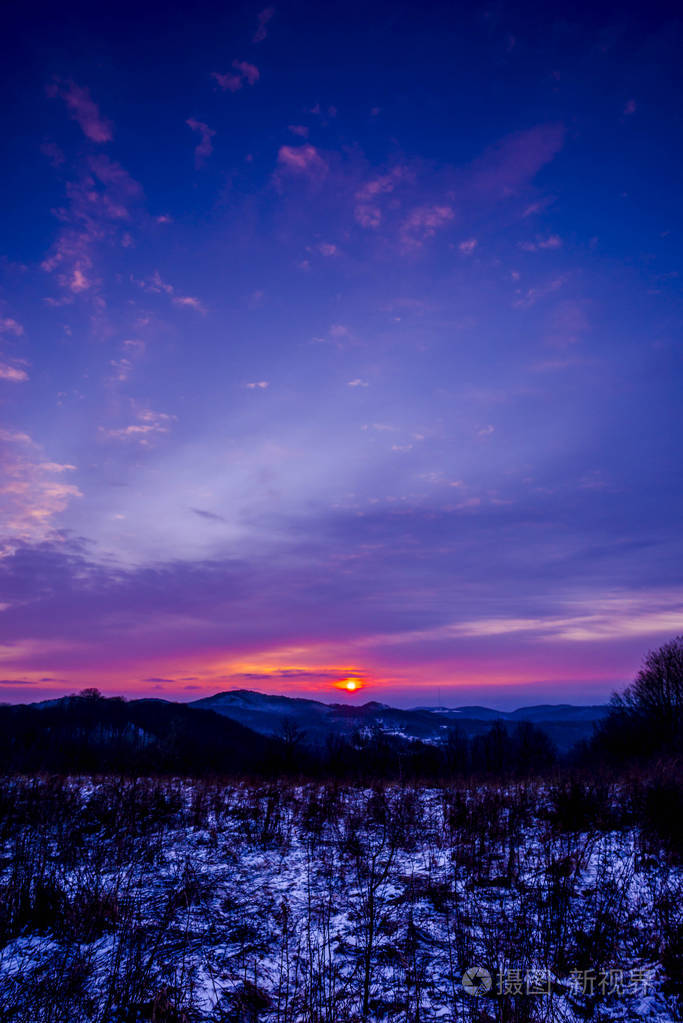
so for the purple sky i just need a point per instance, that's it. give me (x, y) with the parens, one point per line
(340, 341)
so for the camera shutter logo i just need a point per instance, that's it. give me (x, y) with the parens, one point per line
(476, 981)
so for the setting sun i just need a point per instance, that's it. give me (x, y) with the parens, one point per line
(351, 685)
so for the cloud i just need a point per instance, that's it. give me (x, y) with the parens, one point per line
(567, 323)
(100, 201)
(630, 107)
(468, 246)
(368, 209)
(56, 467)
(299, 129)
(263, 20)
(423, 223)
(10, 326)
(504, 169)
(53, 153)
(12, 373)
(84, 110)
(205, 147)
(607, 618)
(156, 285)
(531, 296)
(358, 382)
(258, 385)
(148, 426)
(211, 516)
(325, 249)
(338, 335)
(122, 369)
(29, 494)
(249, 72)
(553, 241)
(234, 81)
(303, 161)
(189, 302)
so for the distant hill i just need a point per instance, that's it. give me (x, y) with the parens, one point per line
(246, 733)
(563, 723)
(86, 734)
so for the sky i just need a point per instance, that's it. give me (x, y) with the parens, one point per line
(340, 341)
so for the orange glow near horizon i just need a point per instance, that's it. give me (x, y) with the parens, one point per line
(351, 684)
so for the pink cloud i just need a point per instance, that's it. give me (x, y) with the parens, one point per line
(304, 160)
(157, 286)
(228, 82)
(553, 241)
(149, 425)
(99, 200)
(468, 246)
(568, 323)
(510, 165)
(10, 326)
(189, 302)
(53, 153)
(29, 495)
(368, 212)
(233, 81)
(85, 111)
(299, 129)
(263, 20)
(12, 373)
(205, 147)
(531, 296)
(249, 72)
(78, 281)
(423, 222)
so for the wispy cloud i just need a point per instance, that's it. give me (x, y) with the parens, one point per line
(189, 302)
(100, 204)
(423, 222)
(148, 426)
(527, 299)
(14, 374)
(10, 326)
(84, 111)
(368, 207)
(156, 285)
(30, 496)
(233, 81)
(302, 161)
(204, 149)
(553, 241)
(263, 21)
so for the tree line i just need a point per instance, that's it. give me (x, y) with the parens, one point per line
(90, 734)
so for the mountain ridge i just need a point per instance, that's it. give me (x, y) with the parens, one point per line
(267, 714)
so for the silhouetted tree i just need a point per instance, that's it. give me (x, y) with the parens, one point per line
(647, 718)
(657, 692)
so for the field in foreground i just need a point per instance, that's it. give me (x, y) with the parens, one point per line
(175, 901)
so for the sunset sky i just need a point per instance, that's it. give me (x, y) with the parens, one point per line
(340, 341)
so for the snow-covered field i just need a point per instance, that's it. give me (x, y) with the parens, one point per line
(178, 901)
